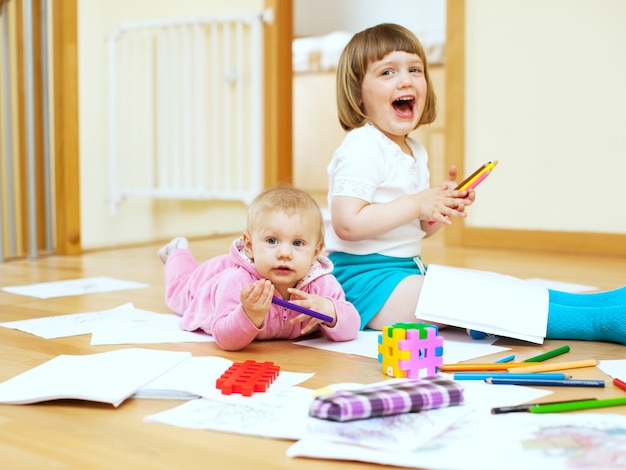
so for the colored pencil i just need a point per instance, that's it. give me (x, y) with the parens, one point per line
(511, 375)
(481, 366)
(545, 382)
(557, 366)
(505, 359)
(548, 355)
(517, 408)
(578, 405)
(306, 311)
(619, 383)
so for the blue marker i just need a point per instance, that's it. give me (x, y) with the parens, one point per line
(541, 382)
(506, 359)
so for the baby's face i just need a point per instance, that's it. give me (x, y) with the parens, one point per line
(283, 248)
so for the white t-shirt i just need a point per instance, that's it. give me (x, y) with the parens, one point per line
(370, 166)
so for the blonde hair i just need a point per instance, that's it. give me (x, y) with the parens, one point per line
(289, 200)
(365, 47)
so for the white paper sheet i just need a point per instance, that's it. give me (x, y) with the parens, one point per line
(280, 415)
(196, 377)
(484, 301)
(108, 377)
(90, 285)
(616, 368)
(145, 327)
(121, 325)
(60, 326)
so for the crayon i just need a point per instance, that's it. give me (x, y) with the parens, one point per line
(537, 382)
(578, 405)
(517, 408)
(510, 375)
(557, 366)
(505, 359)
(548, 355)
(619, 383)
(481, 366)
(298, 308)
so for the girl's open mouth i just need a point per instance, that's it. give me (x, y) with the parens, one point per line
(404, 106)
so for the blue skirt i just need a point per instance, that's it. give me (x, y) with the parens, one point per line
(369, 280)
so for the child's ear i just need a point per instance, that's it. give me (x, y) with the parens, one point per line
(247, 245)
(318, 249)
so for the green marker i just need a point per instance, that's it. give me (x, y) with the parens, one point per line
(578, 405)
(548, 355)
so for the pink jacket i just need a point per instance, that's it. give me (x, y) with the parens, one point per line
(207, 298)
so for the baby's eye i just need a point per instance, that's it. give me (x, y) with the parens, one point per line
(298, 243)
(272, 241)
(386, 72)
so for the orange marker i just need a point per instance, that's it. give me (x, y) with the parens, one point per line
(482, 366)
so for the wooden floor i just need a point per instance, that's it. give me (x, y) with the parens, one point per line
(88, 435)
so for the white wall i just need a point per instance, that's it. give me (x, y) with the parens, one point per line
(138, 220)
(318, 17)
(545, 95)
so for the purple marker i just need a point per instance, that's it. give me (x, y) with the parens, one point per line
(306, 311)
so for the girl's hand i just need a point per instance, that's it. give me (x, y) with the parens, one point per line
(450, 183)
(451, 205)
(256, 300)
(312, 302)
(442, 204)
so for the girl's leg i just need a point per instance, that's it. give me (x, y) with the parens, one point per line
(401, 304)
(594, 299)
(593, 317)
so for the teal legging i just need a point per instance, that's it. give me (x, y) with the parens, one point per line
(599, 316)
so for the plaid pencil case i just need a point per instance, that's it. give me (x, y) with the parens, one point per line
(384, 399)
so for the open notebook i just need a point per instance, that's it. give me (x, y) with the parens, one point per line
(484, 301)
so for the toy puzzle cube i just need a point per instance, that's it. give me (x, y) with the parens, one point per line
(410, 350)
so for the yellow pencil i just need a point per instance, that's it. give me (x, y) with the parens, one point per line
(557, 366)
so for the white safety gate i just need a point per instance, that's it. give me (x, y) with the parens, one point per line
(186, 108)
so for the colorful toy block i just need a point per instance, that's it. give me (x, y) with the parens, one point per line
(410, 350)
(247, 378)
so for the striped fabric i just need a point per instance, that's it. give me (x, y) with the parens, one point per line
(395, 397)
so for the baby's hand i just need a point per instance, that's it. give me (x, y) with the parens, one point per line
(312, 302)
(256, 300)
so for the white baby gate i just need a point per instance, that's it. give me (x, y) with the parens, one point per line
(186, 108)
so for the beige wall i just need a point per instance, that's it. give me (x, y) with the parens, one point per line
(138, 219)
(544, 94)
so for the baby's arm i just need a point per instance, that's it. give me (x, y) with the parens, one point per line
(233, 327)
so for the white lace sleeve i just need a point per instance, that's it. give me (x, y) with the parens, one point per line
(357, 165)
(353, 188)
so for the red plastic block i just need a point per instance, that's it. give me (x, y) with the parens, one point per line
(247, 377)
